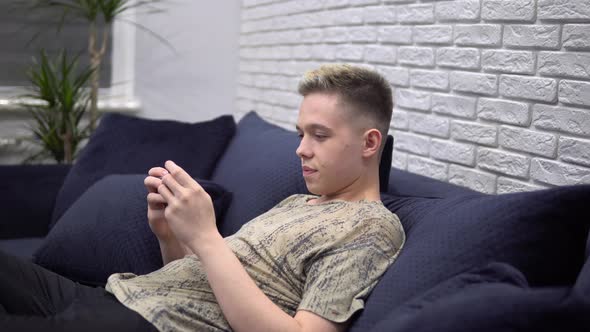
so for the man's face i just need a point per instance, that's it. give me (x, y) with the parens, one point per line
(331, 145)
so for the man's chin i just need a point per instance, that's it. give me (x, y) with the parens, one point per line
(314, 190)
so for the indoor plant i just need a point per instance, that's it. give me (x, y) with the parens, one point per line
(57, 101)
(61, 94)
(100, 15)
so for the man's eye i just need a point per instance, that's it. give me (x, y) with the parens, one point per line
(320, 136)
(300, 135)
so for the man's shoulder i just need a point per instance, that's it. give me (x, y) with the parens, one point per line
(374, 216)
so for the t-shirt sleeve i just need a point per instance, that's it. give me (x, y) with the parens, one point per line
(339, 280)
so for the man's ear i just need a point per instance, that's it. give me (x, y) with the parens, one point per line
(372, 140)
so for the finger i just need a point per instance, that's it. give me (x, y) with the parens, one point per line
(179, 174)
(166, 193)
(155, 214)
(170, 182)
(197, 185)
(152, 183)
(156, 200)
(157, 172)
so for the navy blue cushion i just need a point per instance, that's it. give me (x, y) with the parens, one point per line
(493, 298)
(27, 196)
(260, 167)
(404, 183)
(541, 233)
(125, 145)
(580, 293)
(106, 231)
(22, 247)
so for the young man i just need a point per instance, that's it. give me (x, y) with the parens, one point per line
(305, 265)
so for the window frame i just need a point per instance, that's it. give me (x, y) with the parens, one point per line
(120, 95)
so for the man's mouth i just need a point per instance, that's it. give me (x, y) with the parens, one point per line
(308, 170)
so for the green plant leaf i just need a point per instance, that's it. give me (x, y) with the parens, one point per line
(63, 88)
(60, 86)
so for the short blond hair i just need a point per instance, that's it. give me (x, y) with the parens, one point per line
(366, 90)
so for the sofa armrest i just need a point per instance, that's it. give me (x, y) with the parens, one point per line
(27, 196)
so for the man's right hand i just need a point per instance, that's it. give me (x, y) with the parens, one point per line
(170, 248)
(157, 205)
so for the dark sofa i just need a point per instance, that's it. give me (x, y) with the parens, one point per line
(471, 261)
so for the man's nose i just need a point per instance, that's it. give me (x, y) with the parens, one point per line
(303, 150)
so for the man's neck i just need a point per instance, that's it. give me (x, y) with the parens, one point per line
(369, 195)
(364, 188)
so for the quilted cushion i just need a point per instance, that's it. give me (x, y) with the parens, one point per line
(493, 298)
(125, 145)
(261, 168)
(106, 231)
(541, 233)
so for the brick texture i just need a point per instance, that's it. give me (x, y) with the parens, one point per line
(504, 111)
(563, 10)
(574, 92)
(438, 80)
(532, 36)
(564, 119)
(525, 140)
(508, 10)
(397, 76)
(417, 56)
(467, 58)
(535, 88)
(428, 167)
(478, 34)
(564, 64)
(576, 36)
(457, 10)
(416, 13)
(558, 173)
(433, 34)
(428, 124)
(395, 34)
(474, 82)
(503, 162)
(574, 150)
(413, 143)
(454, 105)
(475, 132)
(520, 62)
(459, 153)
(474, 179)
(493, 95)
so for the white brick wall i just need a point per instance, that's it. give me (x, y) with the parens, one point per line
(493, 95)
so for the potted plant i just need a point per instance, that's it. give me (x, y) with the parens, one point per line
(57, 101)
(60, 93)
(100, 15)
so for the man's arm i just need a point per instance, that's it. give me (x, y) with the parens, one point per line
(191, 218)
(172, 250)
(244, 305)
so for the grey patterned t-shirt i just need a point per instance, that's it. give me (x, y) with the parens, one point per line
(324, 258)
